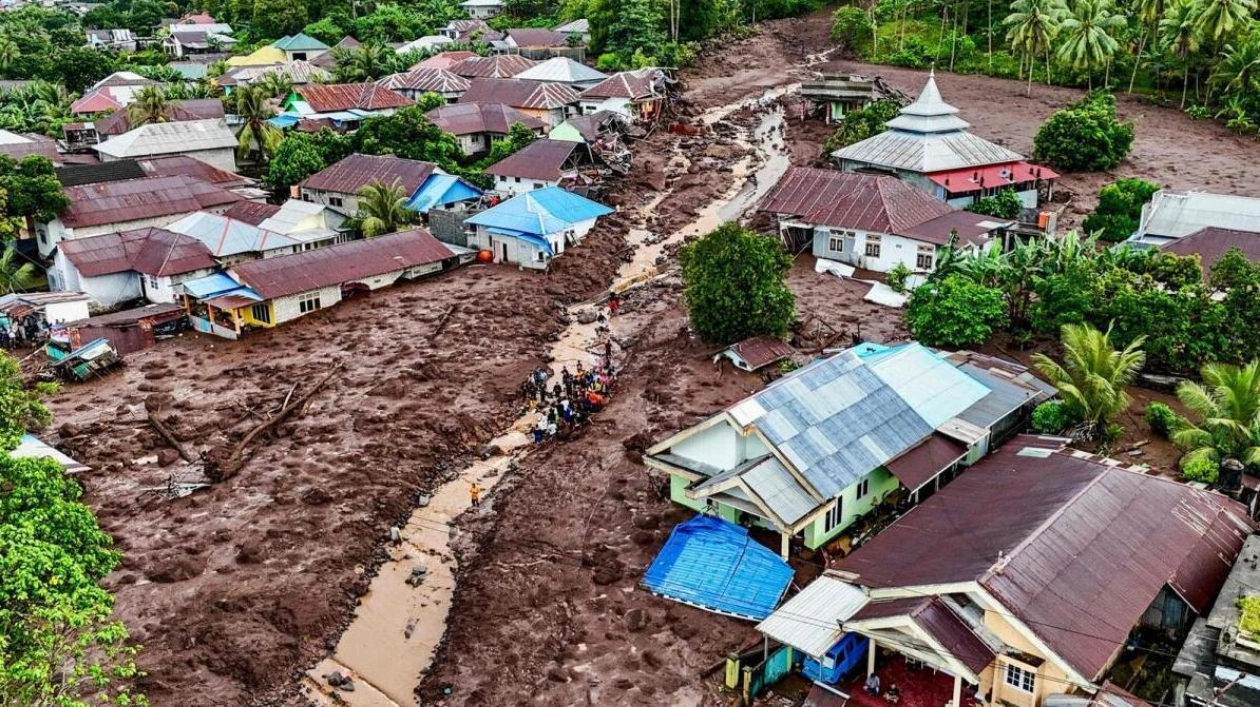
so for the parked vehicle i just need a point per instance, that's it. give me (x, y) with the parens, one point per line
(841, 659)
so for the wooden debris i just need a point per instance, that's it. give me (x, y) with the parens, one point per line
(168, 436)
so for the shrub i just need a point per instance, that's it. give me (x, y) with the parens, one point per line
(1119, 209)
(1051, 417)
(857, 125)
(1004, 204)
(851, 28)
(1202, 470)
(897, 277)
(1161, 418)
(1085, 137)
(1198, 112)
(955, 312)
(734, 285)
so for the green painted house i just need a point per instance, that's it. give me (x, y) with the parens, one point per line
(818, 449)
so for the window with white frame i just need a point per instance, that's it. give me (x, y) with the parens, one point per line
(1020, 679)
(335, 201)
(926, 257)
(863, 488)
(835, 514)
(835, 244)
(308, 302)
(872, 245)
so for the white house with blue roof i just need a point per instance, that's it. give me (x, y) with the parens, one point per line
(532, 228)
(818, 449)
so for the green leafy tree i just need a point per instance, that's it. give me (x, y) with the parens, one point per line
(9, 54)
(623, 27)
(1084, 137)
(1004, 204)
(857, 125)
(1179, 34)
(1086, 36)
(1224, 418)
(15, 274)
(1218, 19)
(519, 136)
(32, 189)
(275, 84)
(1094, 377)
(364, 63)
(149, 106)
(1031, 29)
(955, 312)
(327, 30)
(734, 285)
(408, 134)
(1119, 209)
(852, 28)
(277, 18)
(256, 133)
(294, 161)
(430, 100)
(383, 209)
(76, 68)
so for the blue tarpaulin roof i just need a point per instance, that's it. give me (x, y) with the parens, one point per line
(540, 212)
(215, 284)
(714, 565)
(439, 190)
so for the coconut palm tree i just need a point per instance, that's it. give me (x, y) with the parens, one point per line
(150, 105)
(1178, 34)
(276, 84)
(1087, 44)
(15, 276)
(367, 63)
(383, 209)
(1217, 19)
(1093, 377)
(1238, 70)
(1031, 28)
(1226, 412)
(9, 53)
(1147, 13)
(253, 109)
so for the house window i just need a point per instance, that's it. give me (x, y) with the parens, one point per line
(863, 488)
(538, 185)
(1020, 679)
(262, 313)
(872, 245)
(153, 283)
(335, 201)
(834, 515)
(306, 196)
(835, 244)
(925, 260)
(518, 179)
(308, 302)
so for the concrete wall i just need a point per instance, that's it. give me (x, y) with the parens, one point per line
(66, 311)
(347, 204)
(881, 483)
(616, 105)
(106, 290)
(517, 185)
(892, 249)
(288, 308)
(448, 226)
(482, 13)
(1050, 678)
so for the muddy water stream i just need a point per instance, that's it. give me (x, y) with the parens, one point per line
(397, 627)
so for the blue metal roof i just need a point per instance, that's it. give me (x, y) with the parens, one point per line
(439, 190)
(216, 284)
(541, 212)
(712, 564)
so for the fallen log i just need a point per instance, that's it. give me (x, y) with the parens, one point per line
(167, 435)
(222, 463)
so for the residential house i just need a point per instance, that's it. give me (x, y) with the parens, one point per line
(338, 185)
(114, 268)
(1211, 243)
(636, 94)
(874, 222)
(263, 56)
(504, 66)
(119, 40)
(532, 228)
(298, 72)
(443, 60)
(110, 207)
(430, 43)
(482, 9)
(200, 18)
(837, 94)
(540, 164)
(210, 141)
(345, 105)
(311, 225)
(579, 28)
(168, 166)
(327, 60)
(928, 147)
(417, 82)
(300, 47)
(548, 102)
(20, 146)
(51, 307)
(111, 93)
(824, 446)
(563, 70)
(254, 212)
(266, 293)
(183, 43)
(231, 242)
(179, 111)
(209, 28)
(127, 331)
(535, 42)
(471, 31)
(1030, 576)
(479, 125)
(190, 70)
(1219, 664)
(1171, 215)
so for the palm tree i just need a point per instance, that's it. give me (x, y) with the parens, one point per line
(149, 106)
(1032, 26)
(1238, 70)
(1217, 19)
(9, 53)
(1094, 375)
(1148, 13)
(1179, 36)
(276, 84)
(254, 111)
(383, 209)
(15, 276)
(1228, 412)
(1087, 42)
(367, 63)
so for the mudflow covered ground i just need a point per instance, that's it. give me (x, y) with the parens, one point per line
(239, 588)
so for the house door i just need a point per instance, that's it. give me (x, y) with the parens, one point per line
(503, 256)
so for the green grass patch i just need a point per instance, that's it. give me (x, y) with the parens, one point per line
(1249, 622)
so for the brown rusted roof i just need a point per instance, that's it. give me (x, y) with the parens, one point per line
(535, 37)
(762, 351)
(1074, 546)
(164, 311)
(469, 118)
(117, 123)
(138, 199)
(444, 60)
(251, 212)
(970, 228)
(520, 94)
(922, 463)
(432, 80)
(183, 165)
(504, 66)
(44, 148)
(150, 251)
(1211, 243)
(828, 197)
(334, 265)
(333, 97)
(540, 159)
(938, 621)
(357, 171)
(635, 85)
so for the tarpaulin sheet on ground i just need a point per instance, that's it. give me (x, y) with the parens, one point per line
(712, 564)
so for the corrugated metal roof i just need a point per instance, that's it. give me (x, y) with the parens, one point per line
(170, 138)
(969, 228)
(470, 118)
(540, 212)
(962, 181)
(118, 123)
(761, 351)
(937, 620)
(519, 93)
(1006, 395)
(444, 60)
(929, 113)
(916, 152)
(828, 197)
(43, 148)
(562, 69)
(299, 72)
(927, 382)
(810, 621)
(225, 236)
(639, 84)
(428, 80)
(1211, 243)
(575, 27)
(1176, 214)
(765, 484)
(150, 251)
(303, 220)
(97, 101)
(922, 463)
(425, 44)
(251, 211)
(125, 317)
(357, 171)
(1074, 546)
(183, 165)
(503, 66)
(337, 264)
(541, 159)
(333, 97)
(298, 43)
(712, 564)
(115, 171)
(32, 447)
(439, 190)
(137, 199)
(537, 37)
(212, 284)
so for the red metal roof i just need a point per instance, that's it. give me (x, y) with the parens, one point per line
(962, 181)
(968, 227)
(635, 85)
(183, 165)
(940, 622)
(540, 159)
(538, 95)
(44, 148)
(338, 264)
(333, 97)
(357, 171)
(1073, 546)
(503, 66)
(535, 37)
(444, 60)
(827, 197)
(761, 351)
(98, 101)
(468, 118)
(138, 199)
(1211, 243)
(150, 251)
(922, 463)
(251, 212)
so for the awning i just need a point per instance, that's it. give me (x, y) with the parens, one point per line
(713, 565)
(537, 241)
(961, 181)
(215, 284)
(918, 466)
(810, 621)
(234, 300)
